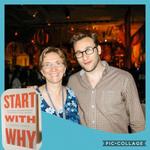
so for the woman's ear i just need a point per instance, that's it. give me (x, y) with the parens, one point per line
(43, 77)
(64, 74)
(65, 70)
(42, 72)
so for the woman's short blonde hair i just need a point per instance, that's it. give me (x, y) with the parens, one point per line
(49, 49)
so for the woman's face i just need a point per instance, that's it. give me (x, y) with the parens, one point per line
(53, 68)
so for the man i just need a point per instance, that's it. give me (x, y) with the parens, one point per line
(108, 97)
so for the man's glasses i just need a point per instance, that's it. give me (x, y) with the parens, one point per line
(88, 51)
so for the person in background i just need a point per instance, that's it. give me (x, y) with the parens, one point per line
(107, 96)
(7, 75)
(16, 78)
(56, 99)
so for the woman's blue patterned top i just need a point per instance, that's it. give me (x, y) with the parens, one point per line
(70, 106)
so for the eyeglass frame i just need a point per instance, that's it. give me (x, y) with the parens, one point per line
(51, 65)
(85, 51)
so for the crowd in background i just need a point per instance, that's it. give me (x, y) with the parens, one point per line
(21, 77)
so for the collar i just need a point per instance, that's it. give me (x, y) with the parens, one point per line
(84, 79)
(106, 67)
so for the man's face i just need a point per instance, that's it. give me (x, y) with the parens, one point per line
(88, 61)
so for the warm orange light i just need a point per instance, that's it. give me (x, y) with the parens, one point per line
(32, 41)
(16, 33)
(72, 29)
(68, 17)
(49, 24)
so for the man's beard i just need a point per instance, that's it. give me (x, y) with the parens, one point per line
(93, 68)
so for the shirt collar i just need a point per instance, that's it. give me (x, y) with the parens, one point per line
(106, 66)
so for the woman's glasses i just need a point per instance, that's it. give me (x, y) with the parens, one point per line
(50, 65)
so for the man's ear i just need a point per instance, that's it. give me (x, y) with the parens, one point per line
(99, 49)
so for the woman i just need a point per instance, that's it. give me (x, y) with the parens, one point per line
(55, 98)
